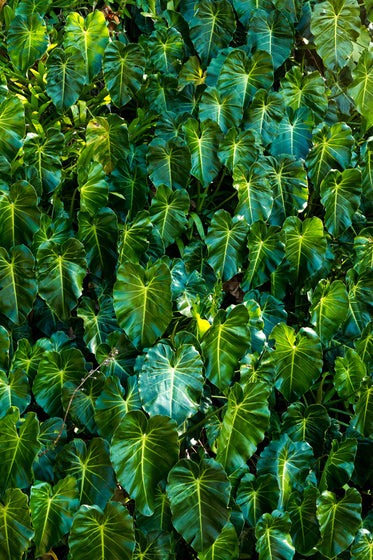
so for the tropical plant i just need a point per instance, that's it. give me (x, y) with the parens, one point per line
(186, 280)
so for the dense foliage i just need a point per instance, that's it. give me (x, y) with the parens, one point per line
(186, 280)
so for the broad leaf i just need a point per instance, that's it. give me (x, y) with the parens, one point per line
(19, 215)
(226, 546)
(255, 198)
(52, 511)
(168, 213)
(273, 537)
(272, 32)
(93, 188)
(45, 154)
(102, 534)
(91, 468)
(294, 136)
(142, 453)
(339, 465)
(364, 345)
(238, 148)
(257, 495)
(203, 140)
(211, 28)
(363, 418)
(246, 75)
(14, 391)
(169, 163)
(305, 91)
(27, 41)
(15, 525)
(297, 359)
(336, 25)
(264, 114)
(224, 344)
(304, 526)
(199, 496)
(18, 285)
(349, 372)
(244, 425)
(329, 306)
(340, 196)
(308, 424)
(18, 449)
(171, 381)
(288, 461)
(339, 521)
(142, 301)
(65, 77)
(361, 89)
(123, 67)
(61, 271)
(99, 236)
(225, 110)
(363, 249)
(363, 545)
(90, 36)
(134, 238)
(12, 126)
(266, 251)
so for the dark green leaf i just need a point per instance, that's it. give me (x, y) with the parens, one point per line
(15, 525)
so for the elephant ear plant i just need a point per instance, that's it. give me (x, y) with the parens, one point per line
(186, 280)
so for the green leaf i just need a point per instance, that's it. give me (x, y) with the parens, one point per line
(273, 33)
(361, 89)
(226, 241)
(12, 126)
(331, 150)
(106, 142)
(245, 75)
(305, 91)
(288, 461)
(142, 301)
(224, 344)
(226, 546)
(123, 67)
(168, 213)
(349, 372)
(211, 28)
(257, 495)
(61, 271)
(340, 196)
(166, 49)
(264, 114)
(305, 246)
(363, 418)
(306, 423)
(339, 464)
(288, 179)
(335, 25)
(27, 41)
(19, 215)
(339, 521)
(134, 238)
(203, 141)
(90, 36)
(244, 425)
(18, 449)
(297, 359)
(199, 496)
(45, 155)
(14, 391)
(90, 466)
(255, 197)
(15, 525)
(294, 136)
(238, 148)
(364, 345)
(52, 511)
(360, 290)
(65, 77)
(102, 535)
(329, 306)
(363, 249)
(83, 402)
(224, 109)
(55, 369)
(114, 403)
(98, 323)
(171, 381)
(18, 287)
(169, 163)
(142, 452)
(304, 526)
(273, 537)
(363, 545)
(266, 251)
(99, 235)
(93, 188)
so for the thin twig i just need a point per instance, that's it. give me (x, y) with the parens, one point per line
(106, 362)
